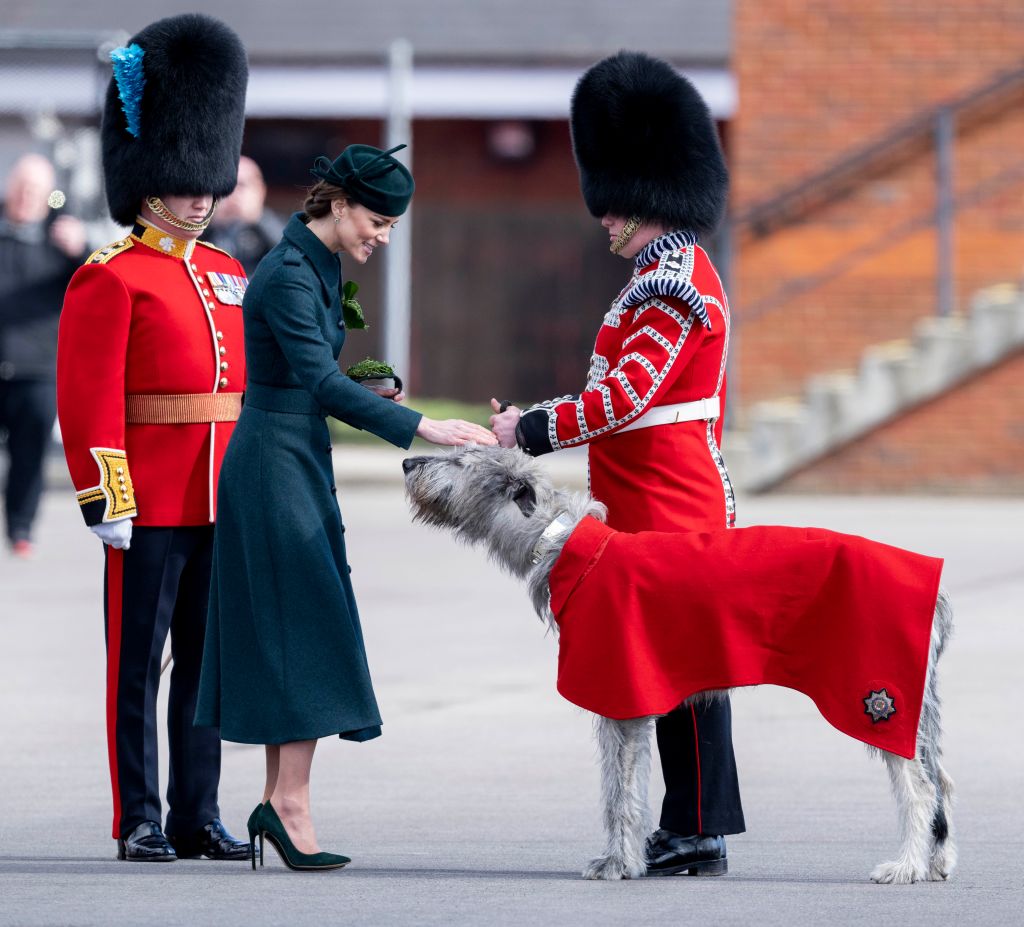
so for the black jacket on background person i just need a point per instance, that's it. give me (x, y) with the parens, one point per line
(33, 276)
(34, 273)
(247, 242)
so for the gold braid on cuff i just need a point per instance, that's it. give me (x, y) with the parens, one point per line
(161, 210)
(628, 231)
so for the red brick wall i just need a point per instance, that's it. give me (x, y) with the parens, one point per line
(816, 78)
(817, 81)
(970, 440)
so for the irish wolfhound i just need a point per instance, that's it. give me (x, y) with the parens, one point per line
(502, 499)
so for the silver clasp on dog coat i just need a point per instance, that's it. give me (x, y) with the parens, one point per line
(562, 524)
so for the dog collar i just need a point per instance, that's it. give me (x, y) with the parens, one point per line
(562, 524)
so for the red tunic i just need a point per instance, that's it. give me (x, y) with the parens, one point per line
(664, 341)
(648, 619)
(148, 314)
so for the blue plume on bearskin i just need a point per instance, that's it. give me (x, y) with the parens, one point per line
(131, 80)
(189, 115)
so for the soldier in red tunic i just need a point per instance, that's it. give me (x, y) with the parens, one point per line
(150, 373)
(652, 170)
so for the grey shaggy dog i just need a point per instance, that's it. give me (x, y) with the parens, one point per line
(502, 499)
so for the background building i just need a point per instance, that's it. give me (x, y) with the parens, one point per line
(510, 274)
(877, 190)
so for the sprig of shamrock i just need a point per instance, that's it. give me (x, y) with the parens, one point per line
(351, 311)
(370, 368)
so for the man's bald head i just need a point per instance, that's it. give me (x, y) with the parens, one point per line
(29, 184)
(245, 204)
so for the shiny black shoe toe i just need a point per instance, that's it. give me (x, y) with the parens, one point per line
(213, 841)
(146, 844)
(699, 855)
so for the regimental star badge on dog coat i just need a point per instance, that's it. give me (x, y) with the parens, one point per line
(879, 705)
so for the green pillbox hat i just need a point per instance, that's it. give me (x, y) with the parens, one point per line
(372, 177)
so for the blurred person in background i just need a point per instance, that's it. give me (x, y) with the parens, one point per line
(242, 225)
(38, 255)
(150, 374)
(650, 415)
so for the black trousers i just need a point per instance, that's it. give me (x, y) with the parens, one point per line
(160, 584)
(702, 791)
(27, 411)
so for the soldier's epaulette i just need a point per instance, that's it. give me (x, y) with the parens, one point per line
(213, 247)
(106, 253)
(671, 277)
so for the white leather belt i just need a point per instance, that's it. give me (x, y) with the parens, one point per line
(680, 412)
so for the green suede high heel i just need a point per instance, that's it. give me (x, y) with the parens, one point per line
(253, 825)
(270, 825)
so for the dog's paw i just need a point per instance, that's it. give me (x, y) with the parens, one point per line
(943, 860)
(611, 868)
(942, 864)
(897, 872)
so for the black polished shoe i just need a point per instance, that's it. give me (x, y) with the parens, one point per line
(212, 841)
(146, 844)
(699, 855)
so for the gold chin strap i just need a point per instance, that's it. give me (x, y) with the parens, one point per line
(628, 231)
(161, 210)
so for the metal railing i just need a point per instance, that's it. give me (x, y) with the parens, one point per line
(936, 130)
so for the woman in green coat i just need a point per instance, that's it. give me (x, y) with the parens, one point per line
(284, 662)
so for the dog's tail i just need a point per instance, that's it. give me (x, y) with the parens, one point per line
(942, 626)
(930, 731)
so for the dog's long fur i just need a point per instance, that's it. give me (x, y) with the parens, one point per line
(501, 498)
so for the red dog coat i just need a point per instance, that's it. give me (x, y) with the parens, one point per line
(648, 619)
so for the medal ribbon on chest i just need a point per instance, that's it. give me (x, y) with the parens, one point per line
(228, 288)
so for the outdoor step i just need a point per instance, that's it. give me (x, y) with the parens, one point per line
(887, 375)
(777, 434)
(943, 348)
(997, 322)
(836, 407)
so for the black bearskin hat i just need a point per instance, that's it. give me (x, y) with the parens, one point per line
(646, 145)
(174, 112)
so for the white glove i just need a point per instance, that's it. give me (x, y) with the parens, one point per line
(118, 534)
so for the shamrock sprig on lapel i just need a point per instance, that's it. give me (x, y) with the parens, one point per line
(351, 311)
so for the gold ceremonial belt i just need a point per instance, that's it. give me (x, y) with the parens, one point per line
(182, 408)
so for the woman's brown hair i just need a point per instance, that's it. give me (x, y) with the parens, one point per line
(319, 198)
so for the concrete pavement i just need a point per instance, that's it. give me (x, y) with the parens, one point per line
(479, 804)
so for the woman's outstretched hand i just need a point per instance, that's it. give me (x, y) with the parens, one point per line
(453, 431)
(504, 423)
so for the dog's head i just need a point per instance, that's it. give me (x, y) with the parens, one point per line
(475, 490)
(504, 499)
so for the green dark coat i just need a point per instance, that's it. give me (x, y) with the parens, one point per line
(284, 657)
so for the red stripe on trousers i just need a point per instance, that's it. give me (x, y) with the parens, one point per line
(115, 578)
(696, 752)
